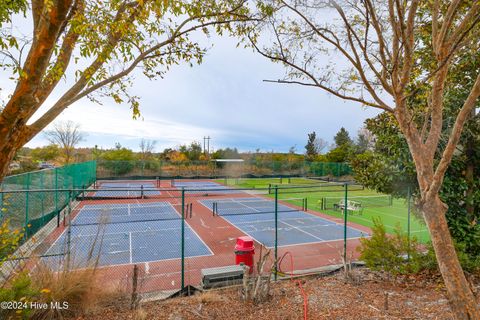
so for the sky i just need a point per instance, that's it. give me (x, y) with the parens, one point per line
(225, 98)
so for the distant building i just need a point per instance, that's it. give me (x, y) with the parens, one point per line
(14, 166)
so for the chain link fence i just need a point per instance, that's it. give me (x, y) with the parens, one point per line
(28, 207)
(156, 237)
(211, 169)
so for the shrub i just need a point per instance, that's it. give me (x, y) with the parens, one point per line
(389, 252)
(468, 262)
(9, 239)
(20, 290)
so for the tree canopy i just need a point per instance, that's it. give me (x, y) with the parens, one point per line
(93, 47)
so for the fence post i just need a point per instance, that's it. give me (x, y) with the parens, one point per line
(133, 303)
(276, 232)
(408, 221)
(56, 197)
(183, 238)
(43, 195)
(27, 196)
(69, 229)
(345, 218)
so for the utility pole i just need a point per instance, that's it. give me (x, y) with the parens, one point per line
(204, 138)
(208, 146)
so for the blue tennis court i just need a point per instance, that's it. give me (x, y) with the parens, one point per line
(206, 186)
(116, 189)
(256, 218)
(127, 233)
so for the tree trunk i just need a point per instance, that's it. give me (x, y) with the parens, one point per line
(7, 152)
(462, 300)
(12, 139)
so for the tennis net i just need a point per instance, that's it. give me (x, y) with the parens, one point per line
(116, 213)
(314, 187)
(365, 201)
(118, 191)
(257, 206)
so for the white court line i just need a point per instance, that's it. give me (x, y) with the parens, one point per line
(386, 225)
(125, 232)
(302, 231)
(280, 220)
(113, 206)
(386, 214)
(307, 214)
(167, 204)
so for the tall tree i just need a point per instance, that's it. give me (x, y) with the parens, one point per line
(381, 43)
(311, 150)
(95, 46)
(342, 138)
(67, 135)
(146, 148)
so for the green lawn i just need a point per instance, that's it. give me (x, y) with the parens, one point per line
(391, 215)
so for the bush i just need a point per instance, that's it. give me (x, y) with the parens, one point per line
(81, 289)
(19, 290)
(389, 252)
(9, 239)
(468, 262)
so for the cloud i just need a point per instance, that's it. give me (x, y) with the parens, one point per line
(225, 98)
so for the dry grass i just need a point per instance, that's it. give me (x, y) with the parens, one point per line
(209, 297)
(79, 288)
(140, 314)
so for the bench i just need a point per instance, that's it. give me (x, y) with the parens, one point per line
(352, 206)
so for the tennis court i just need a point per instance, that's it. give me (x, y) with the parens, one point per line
(127, 233)
(126, 189)
(256, 217)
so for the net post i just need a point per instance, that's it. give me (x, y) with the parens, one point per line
(306, 204)
(183, 239)
(345, 218)
(408, 222)
(141, 192)
(276, 232)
